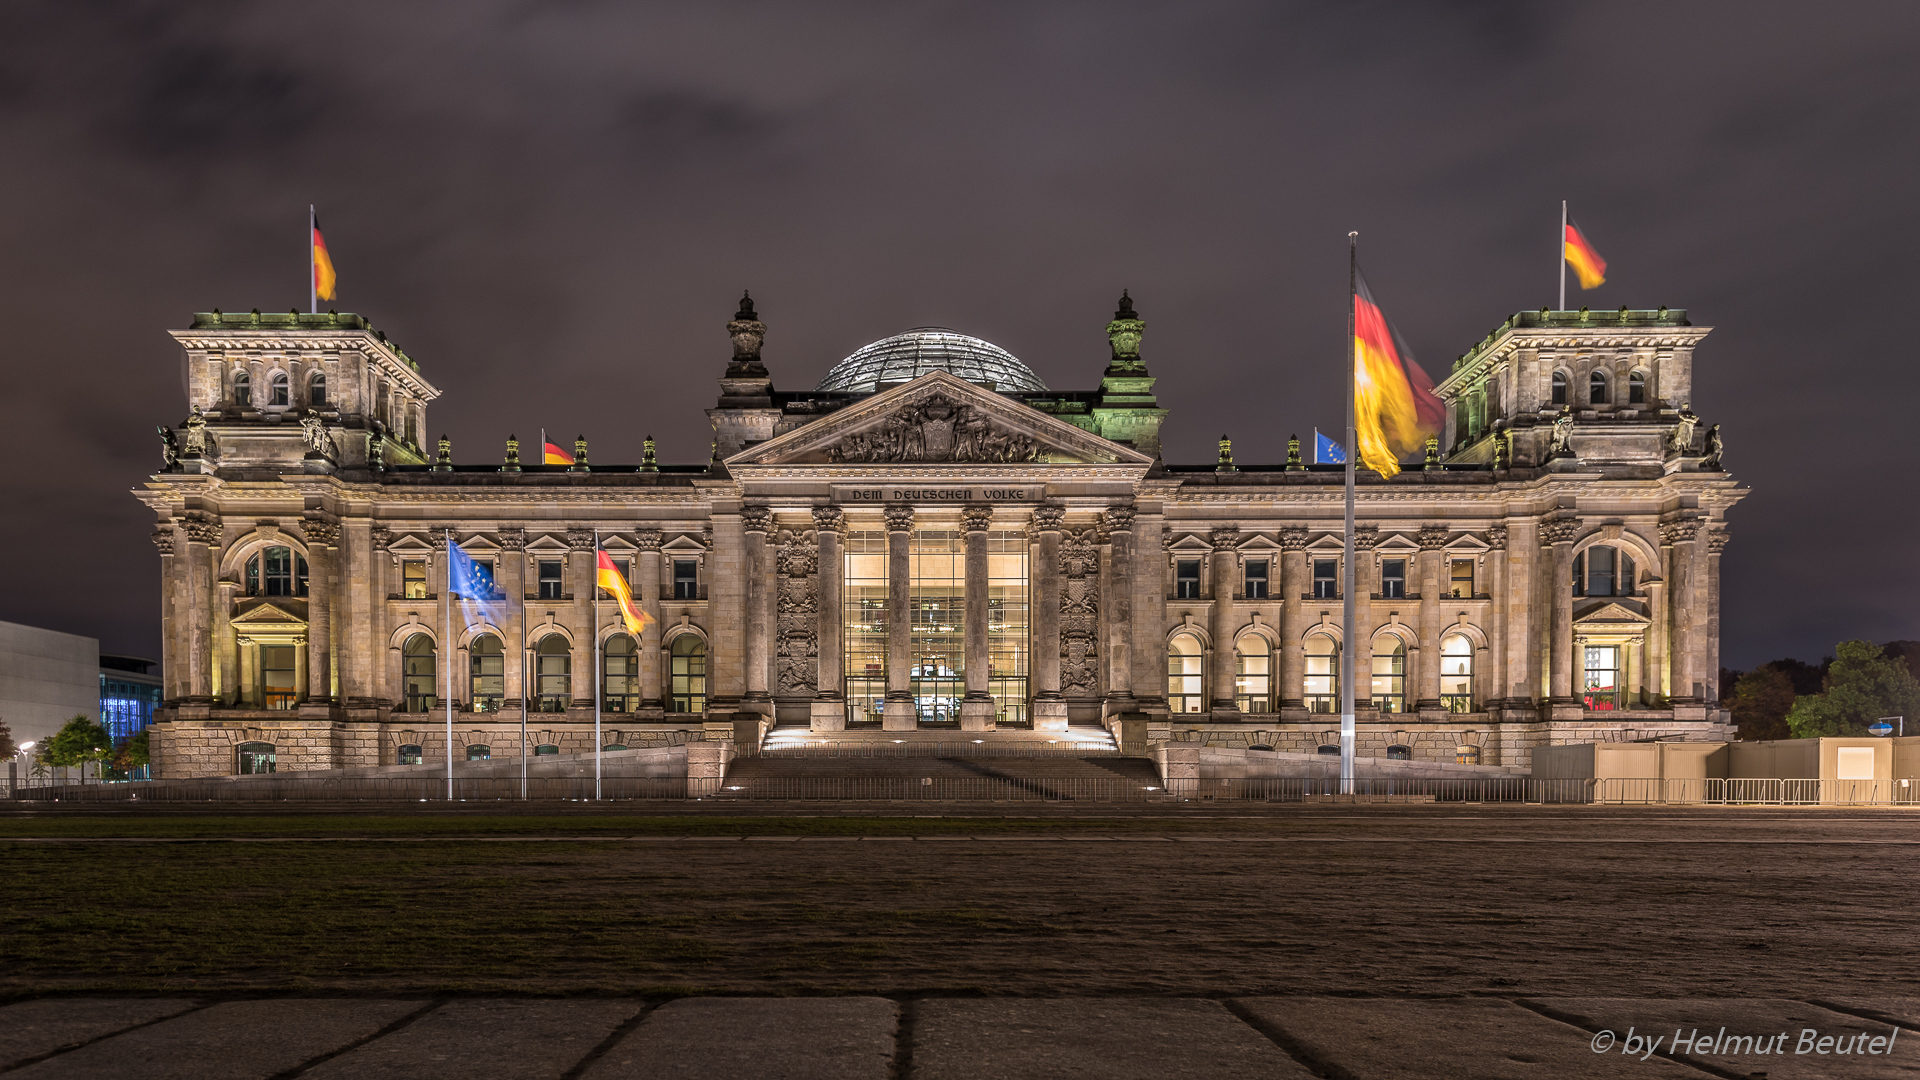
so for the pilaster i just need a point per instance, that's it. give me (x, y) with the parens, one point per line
(901, 713)
(1433, 538)
(829, 699)
(583, 654)
(646, 587)
(1118, 598)
(755, 521)
(1049, 707)
(322, 538)
(1220, 617)
(1558, 534)
(1294, 583)
(976, 708)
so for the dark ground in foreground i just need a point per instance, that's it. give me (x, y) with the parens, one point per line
(1645, 902)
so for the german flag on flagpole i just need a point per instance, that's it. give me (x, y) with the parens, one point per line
(323, 275)
(551, 453)
(609, 578)
(1587, 264)
(1394, 407)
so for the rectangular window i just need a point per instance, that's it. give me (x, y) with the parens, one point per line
(413, 579)
(1462, 579)
(276, 676)
(1580, 574)
(1186, 579)
(686, 579)
(279, 571)
(1600, 571)
(865, 613)
(1603, 691)
(1393, 579)
(624, 567)
(550, 579)
(1008, 630)
(1326, 579)
(1256, 579)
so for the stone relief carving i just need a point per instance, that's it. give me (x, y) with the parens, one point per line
(1714, 447)
(936, 428)
(513, 539)
(1079, 613)
(1559, 531)
(1562, 445)
(163, 539)
(319, 532)
(647, 539)
(1224, 537)
(797, 642)
(197, 441)
(319, 441)
(1293, 538)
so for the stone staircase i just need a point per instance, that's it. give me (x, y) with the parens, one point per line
(1081, 763)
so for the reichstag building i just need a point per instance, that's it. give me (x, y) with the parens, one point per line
(932, 537)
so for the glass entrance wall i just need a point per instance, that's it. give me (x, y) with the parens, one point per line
(1008, 625)
(865, 629)
(937, 606)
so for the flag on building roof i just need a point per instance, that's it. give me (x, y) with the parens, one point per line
(1326, 451)
(609, 578)
(323, 275)
(1587, 264)
(1394, 407)
(551, 453)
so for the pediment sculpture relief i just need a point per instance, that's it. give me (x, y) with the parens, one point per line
(936, 428)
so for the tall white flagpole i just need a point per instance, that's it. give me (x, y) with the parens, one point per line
(1561, 251)
(594, 591)
(447, 653)
(1347, 644)
(313, 265)
(526, 664)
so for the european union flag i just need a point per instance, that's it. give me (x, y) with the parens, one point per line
(1326, 451)
(472, 585)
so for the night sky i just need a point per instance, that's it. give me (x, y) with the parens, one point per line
(554, 207)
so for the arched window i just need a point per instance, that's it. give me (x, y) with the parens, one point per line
(409, 754)
(1253, 674)
(622, 675)
(1399, 753)
(1603, 570)
(1637, 388)
(254, 758)
(419, 671)
(242, 389)
(1597, 388)
(1186, 686)
(1321, 688)
(1559, 388)
(317, 391)
(1389, 674)
(1456, 673)
(545, 749)
(477, 752)
(553, 665)
(276, 571)
(687, 660)
(279, 390)
(486, 674)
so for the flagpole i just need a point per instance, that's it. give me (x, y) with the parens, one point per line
(1347, 644)
(448, 651)
(1562, 252)
(597, 653)
(313, 268)
(525, 664)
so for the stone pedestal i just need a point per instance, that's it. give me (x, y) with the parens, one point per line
(1050, 714)
(978, 715)
(828, 715)
(900, 716)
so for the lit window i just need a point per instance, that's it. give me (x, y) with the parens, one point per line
(477, 752)
(1636, 389)
(687, 657)
(553, 668)
(1326, 579)
(276, 676)
(1456, 674)
(1253, 674)
(1466, 755)
(1597, 388)
(1393, 579)
(1186, 579)
(1321, 688)
(1602, 691)
(419, 670)
(254, 758)
(409, 754)
(279, 392)
(1256, 579)
(1390, 674)
(413, 579)
(686, 579)
(1461, 579)
(242, 389)
(621, 674)
(1559, 388)
(550, 580)
(1185, 681)
(277, 571)
(486, 674)
(545, 749)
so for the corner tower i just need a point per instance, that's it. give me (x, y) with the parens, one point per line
(1126, 410)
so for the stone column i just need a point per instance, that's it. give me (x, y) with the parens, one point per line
(1221, 624)
(321, 538)
(1656, 662)
(1708, 589)
(901, 713)
(1558, 534)
(726, 614)
(1496, 684)
(646, 587)
(1635, 692)
(756, 520)
(1049, 708)
(353, 563)
(201, 534)
(171, 630)
(511, 578)
(1680, 538)
(227, 683)
(976, 709)
(1118, 597)
(829, 697)
(1293, 585)
(1366, 578)
(581, 656)
(1150, 610)
(1433, 539)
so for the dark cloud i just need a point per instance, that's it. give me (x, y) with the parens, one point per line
(554, 206)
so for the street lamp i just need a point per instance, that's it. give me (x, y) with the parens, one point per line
(1901, 723)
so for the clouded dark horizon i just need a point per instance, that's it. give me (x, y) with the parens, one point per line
(555, 206)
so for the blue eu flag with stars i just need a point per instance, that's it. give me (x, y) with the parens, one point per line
(1326, 451)
(472, 585)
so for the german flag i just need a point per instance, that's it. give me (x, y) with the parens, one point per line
(1394, 407)
(609, 579)
(1587, 264)
(550, 452)
(323, 275)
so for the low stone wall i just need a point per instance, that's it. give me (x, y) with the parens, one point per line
(1196, 761)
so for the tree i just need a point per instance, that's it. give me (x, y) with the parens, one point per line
(1863, 684)
(133, 754)
(7, 749)
(1760, 702)
(78, 741)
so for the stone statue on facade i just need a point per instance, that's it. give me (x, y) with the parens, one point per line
(1562, 444)
(1712, 460)
(1681, 441)
(169, 449)
(935, 429)
(197, 441)
(319, 441)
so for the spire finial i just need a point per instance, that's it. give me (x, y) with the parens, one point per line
(746, 307)
(1126, 307)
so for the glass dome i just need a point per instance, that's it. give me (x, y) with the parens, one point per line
(930, 348)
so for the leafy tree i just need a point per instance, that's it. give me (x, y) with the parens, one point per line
(1907, 652)
(7, 748)
(1863, 685)
(1760, 702)
(133, 754)
(1806, 678)
(77, 742)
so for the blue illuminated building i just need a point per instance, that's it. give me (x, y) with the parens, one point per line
(128, 695)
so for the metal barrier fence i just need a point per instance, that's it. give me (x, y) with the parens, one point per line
(891, 748)
(294, 788)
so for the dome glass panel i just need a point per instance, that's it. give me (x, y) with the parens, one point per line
(930, 348)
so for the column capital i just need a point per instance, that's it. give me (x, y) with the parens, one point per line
(1432, 537)
(320, 532)
(580, 539)
(1118, 518)
(1046, 518)
(163, 538)
(381, 536)
(1225, 537)
(647, 539)
(756, 517)
(1293, 538)
(1497, 537)
(976, 517)
(1716, 541)
(899, 518)
(1365, 537)
(1558, 531)
(828, 519)
(201, 529)
(1683, 531)
(513, 539)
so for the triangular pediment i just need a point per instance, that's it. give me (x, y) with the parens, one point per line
(1611, 614)
(938, 419)
(265, 615)
(410, 544)
(1397, 545)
